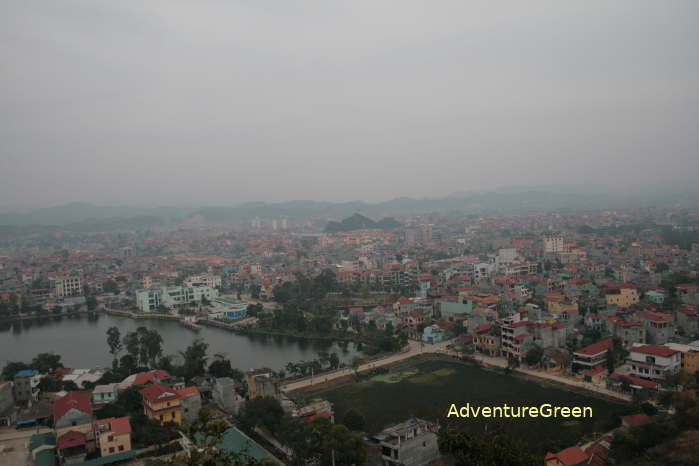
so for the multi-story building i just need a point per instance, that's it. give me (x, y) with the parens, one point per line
(660, 327)
(591, 356)
(622, 295)
(7, 405)
(224, 395)
(554, 244)
(148, 300)
(27, 385)
(654, 361)
(261, 383)
(689, 358)
(191, 403)
(629, 331)
(212, 281)
(162, 404)
(113, 435)
(410, 443)
(67, 286)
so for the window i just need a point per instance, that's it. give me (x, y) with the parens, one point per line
(173, 415)
(111, 449)
(110, 438)
(121, 447)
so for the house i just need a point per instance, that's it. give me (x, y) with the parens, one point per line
(635, 420)
(592, 320)
(410, 443)
(616, 381)
(591, 356)
(654, 361)
(113, 435)
(191, 403)
(687, 320)
(596, 375)
(629, 331)
(234, 440)
(261, 383)
(224, 395)
(145, 378)
(432, 334)
(690, 356)
(27, 385)
(487, 340)
(72, 447)
(660, 327)
(74, 409)
(622, 295)
(161, 403)
(103, 394)
(571, 456)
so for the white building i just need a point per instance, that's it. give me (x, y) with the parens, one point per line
(212, 281)
(654, 361)
(67, 286)
(554, 244)
(171, 297)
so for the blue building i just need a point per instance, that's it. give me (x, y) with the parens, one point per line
(432, 334)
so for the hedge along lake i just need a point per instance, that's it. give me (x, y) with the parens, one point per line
(82, 342)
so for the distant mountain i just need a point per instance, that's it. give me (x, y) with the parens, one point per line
(501, 201)
(360, 222)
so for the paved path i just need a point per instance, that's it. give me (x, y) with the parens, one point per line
(415, 348)
(13, 434)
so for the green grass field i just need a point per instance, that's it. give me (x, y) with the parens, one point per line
(428, 388)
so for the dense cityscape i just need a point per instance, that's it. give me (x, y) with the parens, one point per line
(598, 306)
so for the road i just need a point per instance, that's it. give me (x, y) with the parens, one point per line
(415, 348)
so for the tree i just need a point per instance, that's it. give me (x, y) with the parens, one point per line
(110, 286)
(222, 368)
(534, 355)
(114, 341)
(333, 360)
(356, 362)
(321, 442)
(493, 448)
(354, 420)
(46, 363)
(194, 359)
(262, 412)
(91, 302)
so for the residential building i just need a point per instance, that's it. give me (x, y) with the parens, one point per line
(67, 286)
(42, 448)
(432, 334)
(622, 295)
(660, 327)
(687, 320)
(103, 394)
(654, 361)
(591, 356)
(191, 403)
(261, 383)
(27, 385)
(212, 281)
(74, 409)
(572, 456)
(486, 339)
(224, 395)
(162, 403)
(410, 443)
(554, 244)
(690, 357)
(113, 435)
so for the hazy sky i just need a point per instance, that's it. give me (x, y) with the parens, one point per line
(216, 102)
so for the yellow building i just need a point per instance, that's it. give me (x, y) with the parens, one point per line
(690, 357)
(622, 296)
(113, 435)
(162, 404)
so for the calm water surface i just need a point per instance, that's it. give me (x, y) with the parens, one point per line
(82, 342)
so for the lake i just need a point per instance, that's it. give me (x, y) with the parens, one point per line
(82, 342)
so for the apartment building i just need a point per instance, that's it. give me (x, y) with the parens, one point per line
(660, 327)
(622, 295)
(113, 435)
(591, 356)
(67, 286)
(212, 281)
(554, 244)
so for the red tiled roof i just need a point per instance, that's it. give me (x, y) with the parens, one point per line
(596, 348)
(118, 425)
(82, 401)
(156, 393)
(636, 420)
(569, 457)
(188, 392)
(71, 439)
(150, 377)
(634, 380)
(655, 316)
(595, 371)
(655, 350)
(482, 328)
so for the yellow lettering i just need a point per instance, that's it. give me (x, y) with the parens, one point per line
(453, 411)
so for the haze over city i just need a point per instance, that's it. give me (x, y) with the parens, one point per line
(213, 103)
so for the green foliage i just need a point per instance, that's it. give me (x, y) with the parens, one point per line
(194, 359)
(11, 368)
(110, 286)
(320, 441)
(354, 420)
(222, 368)
(262, 412)
(91, 302)
(114, 341)
(487, 449)
(534, 355)
(46, 362)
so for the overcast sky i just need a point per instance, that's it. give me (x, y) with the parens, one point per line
(217, 102)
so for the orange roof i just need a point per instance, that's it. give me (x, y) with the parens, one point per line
(117, 425)
(156, 393)
(569, 457)
(188, 392)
